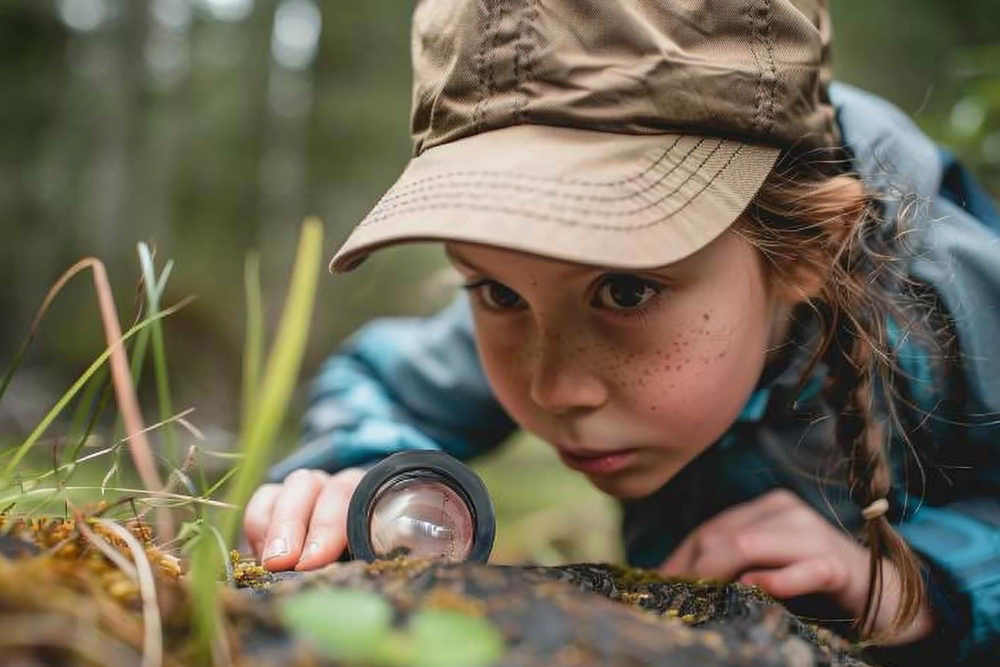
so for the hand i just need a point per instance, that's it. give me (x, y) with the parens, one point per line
(310, 509)
(785, 547)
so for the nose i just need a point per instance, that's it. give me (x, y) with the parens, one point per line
(562, 380)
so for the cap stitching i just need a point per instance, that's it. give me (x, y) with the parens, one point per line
(649, 204)
(751, 19)
(772, 70)
(555, 219)
(549, 179)
(480, 66)
(493, 34)
(518, 93)
(395, 195)
(528, 64)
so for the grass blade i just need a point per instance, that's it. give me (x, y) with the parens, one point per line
(254, 344)
(154, 291)
(262, 423)
(8, 470)
(281, 372)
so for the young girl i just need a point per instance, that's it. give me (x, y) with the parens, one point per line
(747, 303)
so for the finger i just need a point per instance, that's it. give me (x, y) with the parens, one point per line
(327, 535)
(777, 539)
(257, 516)
(712, 534)
(289, 519)
(815, 575)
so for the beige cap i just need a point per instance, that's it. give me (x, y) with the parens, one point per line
(624, 133)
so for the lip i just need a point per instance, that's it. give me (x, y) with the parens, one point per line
(601, 463)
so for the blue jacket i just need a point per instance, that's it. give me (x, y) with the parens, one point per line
(416, 383)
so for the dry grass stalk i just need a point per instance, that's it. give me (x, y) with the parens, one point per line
(152, 654)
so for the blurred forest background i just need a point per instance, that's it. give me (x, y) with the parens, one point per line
(209, 128)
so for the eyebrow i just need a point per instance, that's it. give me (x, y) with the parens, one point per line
(572, 268)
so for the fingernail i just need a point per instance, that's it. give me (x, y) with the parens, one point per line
(278, 547)
(311, 550)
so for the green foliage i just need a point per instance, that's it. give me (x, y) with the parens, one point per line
(261, 424)
(64, 400)
(154, 291)
(356, 626)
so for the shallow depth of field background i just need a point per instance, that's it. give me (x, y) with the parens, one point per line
(212, 127)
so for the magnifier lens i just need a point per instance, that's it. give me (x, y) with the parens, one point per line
(421, 517)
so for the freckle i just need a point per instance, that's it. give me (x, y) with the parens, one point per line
(705, 317)
(652, 408)
(688, 360)
(677, 367)
(581, 349)
(721, 354)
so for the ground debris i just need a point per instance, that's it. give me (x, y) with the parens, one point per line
(57, 588)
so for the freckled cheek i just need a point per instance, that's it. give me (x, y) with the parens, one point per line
(695, 391)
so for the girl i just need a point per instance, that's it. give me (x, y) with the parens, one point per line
(737, 298)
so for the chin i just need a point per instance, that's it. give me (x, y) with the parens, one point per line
(627, 487)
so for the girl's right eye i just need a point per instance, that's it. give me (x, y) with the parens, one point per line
(495, 295)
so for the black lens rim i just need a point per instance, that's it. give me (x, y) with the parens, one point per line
(463, 480)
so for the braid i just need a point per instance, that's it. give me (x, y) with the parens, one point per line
(862, 439)
(806, 220)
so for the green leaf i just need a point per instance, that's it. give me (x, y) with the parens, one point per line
(356, 625)
(343, 624)
(451, 639)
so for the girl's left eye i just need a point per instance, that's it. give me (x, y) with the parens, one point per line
(622, 291)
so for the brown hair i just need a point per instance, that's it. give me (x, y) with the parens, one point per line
(810, 222)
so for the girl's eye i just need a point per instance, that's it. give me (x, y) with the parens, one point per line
(622, 291)
(495, 295)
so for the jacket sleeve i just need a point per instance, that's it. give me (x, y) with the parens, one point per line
(956, 526)
(400, 384)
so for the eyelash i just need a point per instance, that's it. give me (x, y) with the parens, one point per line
(639, 314)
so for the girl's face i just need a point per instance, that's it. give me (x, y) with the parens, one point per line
(628, 374)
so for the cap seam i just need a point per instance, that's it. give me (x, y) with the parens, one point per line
(379, 209)
(480, 66)
(566, 222)
(395, 195)
(553, 179)
(772, 70)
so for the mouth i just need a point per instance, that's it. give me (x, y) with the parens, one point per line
(601, 463)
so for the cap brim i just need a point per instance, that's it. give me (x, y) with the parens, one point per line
(624, 200)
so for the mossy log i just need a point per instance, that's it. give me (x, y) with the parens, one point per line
(583, 614)
(73, 605)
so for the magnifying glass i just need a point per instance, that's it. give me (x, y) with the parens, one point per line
(423, 504)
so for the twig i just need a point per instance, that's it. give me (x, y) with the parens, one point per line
(125, 392)
(105, 548)
(152, 653)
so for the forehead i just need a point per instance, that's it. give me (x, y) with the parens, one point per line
(717, 255)
(493, 259)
